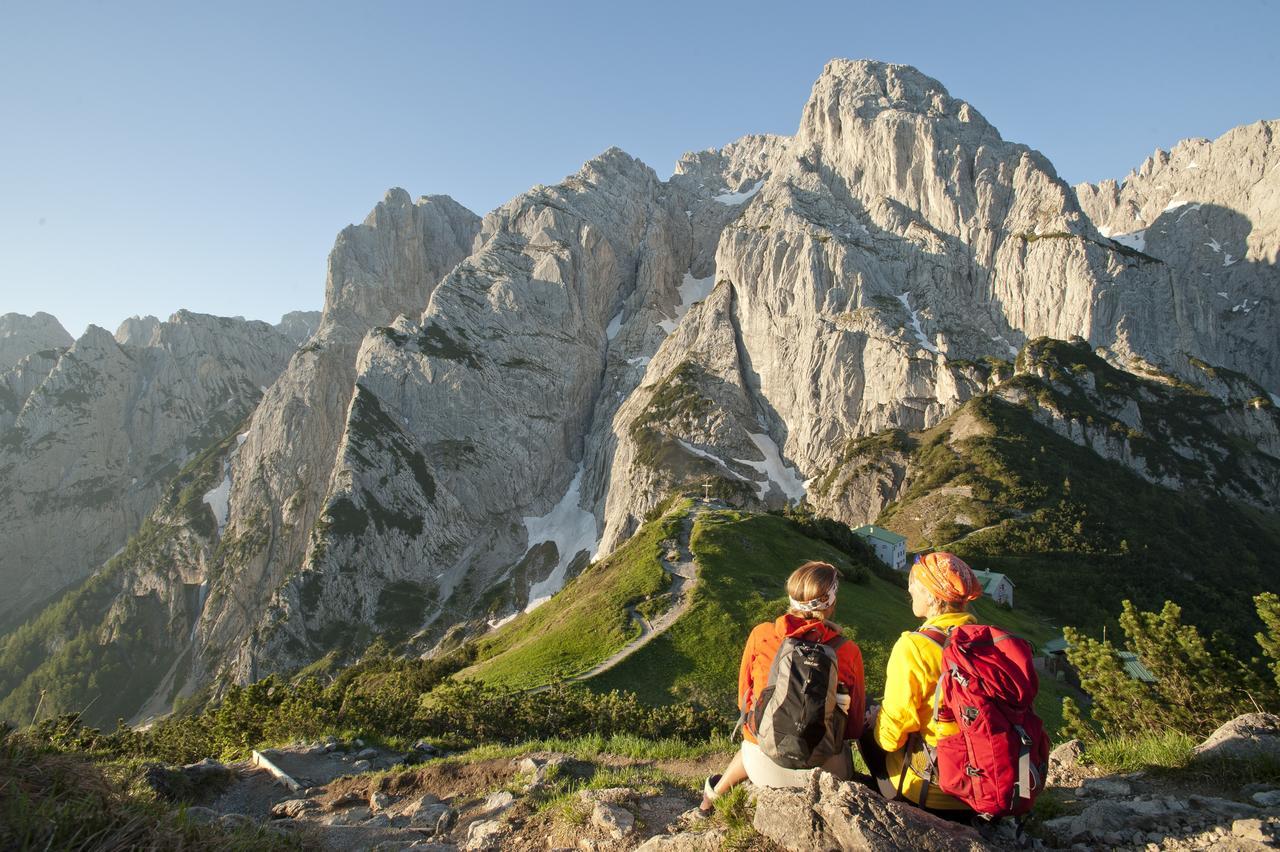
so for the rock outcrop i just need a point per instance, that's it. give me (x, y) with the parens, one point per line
(1210, 212)
(834, 814)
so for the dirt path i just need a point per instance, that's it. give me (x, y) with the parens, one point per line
(684, 576)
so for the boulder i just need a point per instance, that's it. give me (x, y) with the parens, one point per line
(1112, 787)
(199, 815)
(615, 819)
(431, 815)
(497, 803)
(292, 808)
(236, 821)
(379, 801)
(832, 814)
(186, 783)
(686, 841)
(1128, 818)
(1267, 798)
(1221, 807)
(361, 766)
(1094, 823)
(1247, 737)
(1066, 756)
(356, 814)
(485, 835)
(1258, 830)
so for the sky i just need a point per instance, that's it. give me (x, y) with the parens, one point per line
(157, 156)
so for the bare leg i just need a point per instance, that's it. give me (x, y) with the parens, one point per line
(734, 774)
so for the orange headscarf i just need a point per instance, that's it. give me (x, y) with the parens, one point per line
(947, 577)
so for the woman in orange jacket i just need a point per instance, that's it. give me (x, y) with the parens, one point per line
(812, 592)
(902, 732)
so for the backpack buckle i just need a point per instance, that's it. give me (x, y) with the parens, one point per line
(972, 771)
(970, 714)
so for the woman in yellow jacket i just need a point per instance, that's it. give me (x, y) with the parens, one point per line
(902, 732)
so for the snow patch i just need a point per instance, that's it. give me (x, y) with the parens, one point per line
(732, 198)
(1222, 294)
(218, 499)
(1136, 240)
(1275, 399)
(692, 291)
(1173, 205)
(571, 529)
(642, 360)
(1228, 260)
(241, 438)
(1192, 165)
(1013, 350)
(494, 625)
(778, 473)
(703, 454)
(1215, 245)
(915, 323)
(1191, 209)
(615, 326)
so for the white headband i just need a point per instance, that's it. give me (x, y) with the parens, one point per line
(825, 602)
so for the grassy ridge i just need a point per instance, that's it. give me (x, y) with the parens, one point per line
(744, 561)
(587, 621)
(1078, 534)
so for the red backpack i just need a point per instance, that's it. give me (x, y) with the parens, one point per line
(998, 761)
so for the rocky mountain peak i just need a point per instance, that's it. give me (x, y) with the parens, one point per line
(389, 264)
(867, 87)
(94, 341)
(137, 331)
(22, 335)
(298, 326)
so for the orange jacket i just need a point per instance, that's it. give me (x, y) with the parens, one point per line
(762, 646)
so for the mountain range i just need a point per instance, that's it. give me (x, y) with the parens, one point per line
(485, 405)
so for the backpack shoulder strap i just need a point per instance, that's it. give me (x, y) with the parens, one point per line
(935, 635)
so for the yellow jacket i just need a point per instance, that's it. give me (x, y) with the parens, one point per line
(914, 667)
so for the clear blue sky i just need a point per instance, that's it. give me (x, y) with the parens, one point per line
(163, 155)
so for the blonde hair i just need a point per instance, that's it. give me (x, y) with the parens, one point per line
(810, 582)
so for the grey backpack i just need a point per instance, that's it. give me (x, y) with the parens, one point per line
(797, 721)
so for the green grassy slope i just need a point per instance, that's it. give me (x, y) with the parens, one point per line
(1077, 533)
(587, 621)
(744, 561)
(98, 650)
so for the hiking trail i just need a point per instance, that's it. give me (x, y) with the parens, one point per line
(678, 561)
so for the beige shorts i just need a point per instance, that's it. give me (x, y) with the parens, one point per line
(763, 772)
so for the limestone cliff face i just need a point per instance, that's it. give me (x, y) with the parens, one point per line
(875, 261)
(387, 266)
(469, 434)
(102, 427)
(1210, 211)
